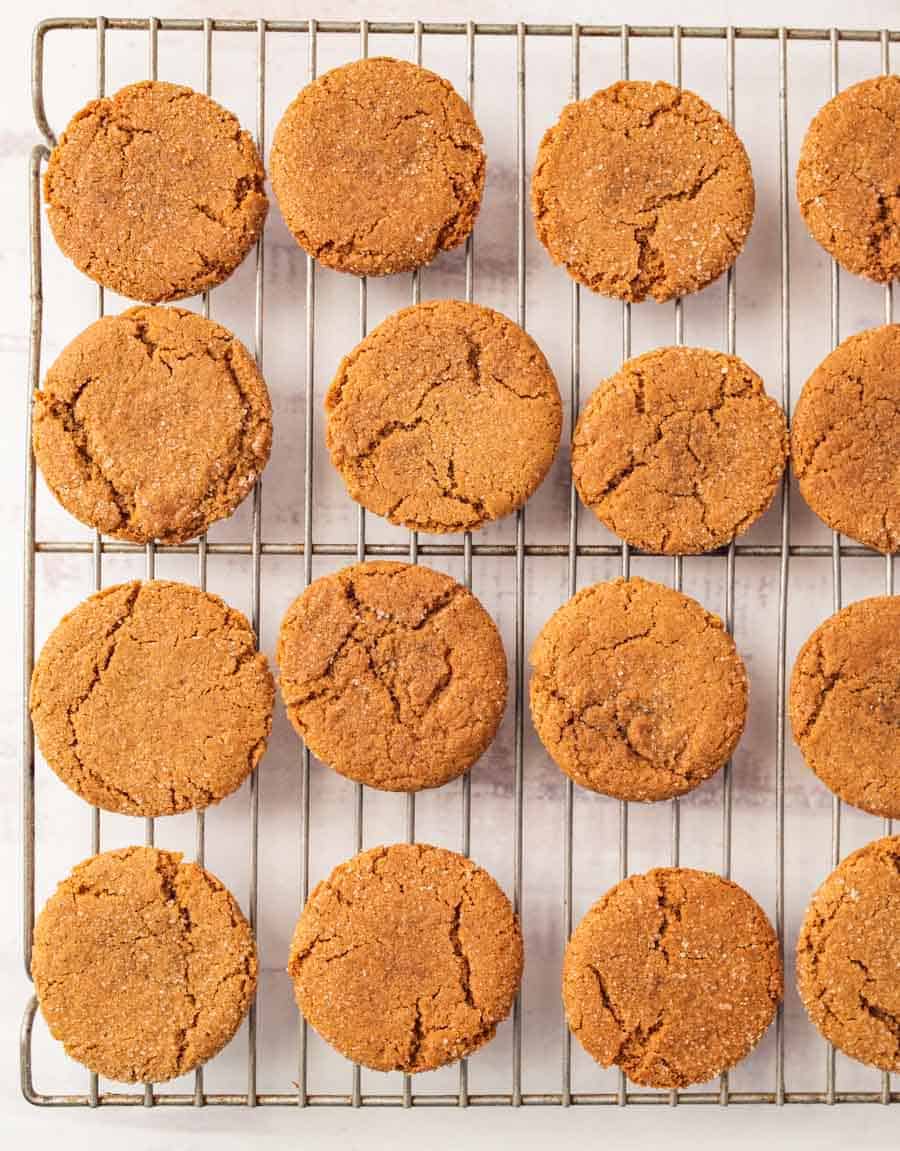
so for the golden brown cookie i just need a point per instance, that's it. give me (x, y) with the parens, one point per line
(155, 192)
(642, 190)
(151, 698)
(845, 438)
(144, 966)
(636, 690)
(848, 178)
(673, 976)
(377, 166)
(393, 674)
(152, 425)
(680, 451)
(406, 958)
(845, 704)
(446, 416)
(848, 955)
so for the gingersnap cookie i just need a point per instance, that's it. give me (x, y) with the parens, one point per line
(848, 955)
(845, 438)
(377, 166)
(845, 704)
(637, 691)
(642, 190)
(849, 175)
(155, 192)
(152, 425)
(144, 966)
(406, 958)
(673, 976)
(393, 674)
(680, 451)
(151, 698)
(446, 416)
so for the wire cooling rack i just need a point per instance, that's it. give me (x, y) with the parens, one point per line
(469, 35)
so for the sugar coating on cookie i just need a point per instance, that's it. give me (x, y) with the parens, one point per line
(393, 674)
(673, 976)
(845, 438)
(152, 425)
(151, 698)
(636, 690)
(446, 416)
(642, 190)
(406, 958)
(848, 178)
(144, 966)
(848, 955)
(377, 167)
(155, 192)
(680, 451)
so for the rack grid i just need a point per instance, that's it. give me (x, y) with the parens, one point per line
(255, 547)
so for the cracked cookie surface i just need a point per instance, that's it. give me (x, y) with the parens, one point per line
(845, 704)
(151, 698)
(848, 178)
(446, 416)
(152, 425)
(680, 451)
(845, 438)
(642, 190)
(848, 955)
(673, 976)
(377, 167)
(637, 691)
(393, 674)
(144, 966)
(406, 958)
(155, 192)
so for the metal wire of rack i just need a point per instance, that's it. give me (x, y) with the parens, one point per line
(360, 549)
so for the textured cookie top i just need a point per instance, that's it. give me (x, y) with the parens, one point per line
(144, 966)
(637, 691)
(848, 955)
(445, 416)
(151, 698)
(152, 425)
(393, 674)
(377, 166)
(845, 704)
(642, 190)
(406, 958)
(680, 451)
(674, 976)
(155, 192)
(845, 438)
(848, 178)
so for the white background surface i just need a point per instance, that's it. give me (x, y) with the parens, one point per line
(63, 826)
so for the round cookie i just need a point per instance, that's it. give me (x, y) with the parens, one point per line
(377, 166)
(151, 698)
(406, 958)
(845, 704)
(446, 416)
(144, 966)
(642, 190)
(845, 438)
(393, 674)
(848, 178)
(680, 451)
(152, 425)
(637, 691)
(155, 192)
(848, 955)
(673, 976)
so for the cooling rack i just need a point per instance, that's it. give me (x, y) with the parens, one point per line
(514, 553)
